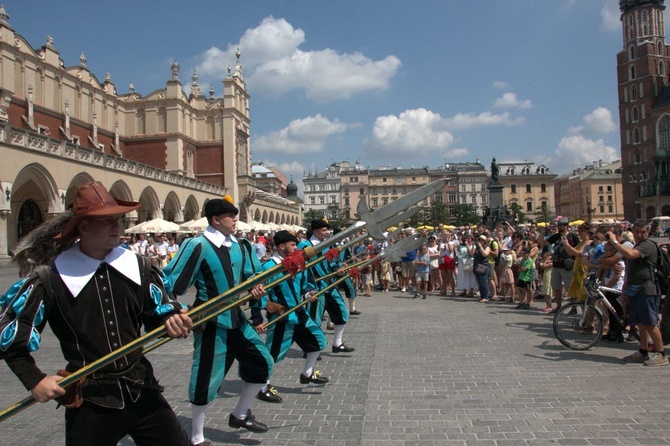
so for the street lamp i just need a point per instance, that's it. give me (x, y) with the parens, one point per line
(589, 209)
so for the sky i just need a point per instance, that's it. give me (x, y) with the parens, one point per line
(382, 83)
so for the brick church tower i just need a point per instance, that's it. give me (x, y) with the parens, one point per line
(644, 109)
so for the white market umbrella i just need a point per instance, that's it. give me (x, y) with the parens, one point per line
(152, 226)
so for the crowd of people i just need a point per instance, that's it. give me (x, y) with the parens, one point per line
(96, 294)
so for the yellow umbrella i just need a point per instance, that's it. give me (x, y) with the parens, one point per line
(425, 227)
(576, 222)
(392, 229)
(542, 224)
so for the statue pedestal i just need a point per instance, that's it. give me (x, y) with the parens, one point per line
(497, 213)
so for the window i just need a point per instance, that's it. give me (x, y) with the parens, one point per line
(312, 200)
(601, 198)
(610, 209)
(512, 188)
(353, 180)
(528, 188)
(322, 200)
(609, 198)
(374, 191)
(543, 188)
(385, 201)
(600, 188)
(464, 199)
(631, 52)
(483, 188)
(424, 201)
(333, 199)
(404, 191)
(602, 209)
(638, 157)
(633, 93)
(631, 75)
(462, 187)
(636, 136)
(375, 203)
(383, 180)
(346, 191)
(664, 132)
(385, 191)
(413, 179)
(473, 199)
(472, 188)
(636, 114)
(529, 206)
(452, 197)
(361, 191)
(483, 199)
(394, 191)
(346, 201)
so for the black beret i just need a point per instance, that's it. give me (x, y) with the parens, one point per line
(317, 224)
(219, 206)
(283, 237)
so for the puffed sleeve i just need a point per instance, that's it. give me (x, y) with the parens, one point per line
(24, 314)
(181, 272)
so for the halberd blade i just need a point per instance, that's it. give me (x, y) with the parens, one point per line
(384, 213)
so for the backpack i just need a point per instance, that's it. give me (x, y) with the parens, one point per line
(661, 270)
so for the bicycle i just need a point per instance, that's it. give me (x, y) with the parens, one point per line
(579, 325)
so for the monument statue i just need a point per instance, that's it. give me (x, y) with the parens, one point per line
(495, 171)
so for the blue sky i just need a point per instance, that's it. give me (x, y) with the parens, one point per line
(386, 83)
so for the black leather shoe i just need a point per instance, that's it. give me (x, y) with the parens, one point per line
(271, 395)
(316, 378)
(343, 349)
(355, 312)
(249, 423)
(304, 356)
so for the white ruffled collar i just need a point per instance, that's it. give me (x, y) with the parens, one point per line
(76, 268)
(218, 239)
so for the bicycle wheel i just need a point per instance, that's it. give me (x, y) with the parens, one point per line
(578, 328)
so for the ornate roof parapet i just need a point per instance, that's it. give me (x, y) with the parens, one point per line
(4, 17)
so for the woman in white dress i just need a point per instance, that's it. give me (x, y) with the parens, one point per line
(466, 277)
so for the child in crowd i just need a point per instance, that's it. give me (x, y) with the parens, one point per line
(386, 275)
(546, 264)
(422, 263)
(525, 280)
(507, 276)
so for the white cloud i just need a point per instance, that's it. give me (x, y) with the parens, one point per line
(456, 153)
(470, 120)
(509, 100)
(598, 122)
(413, 132)
(306, 135)
(500, 84)
(578, 151)
(611, 16)
(273, 64)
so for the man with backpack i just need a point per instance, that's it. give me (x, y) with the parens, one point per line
(643, 294)
(561, 272)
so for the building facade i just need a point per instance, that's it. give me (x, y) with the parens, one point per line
(643, 66)
(591, 193)
(529, 186)
(62, 126)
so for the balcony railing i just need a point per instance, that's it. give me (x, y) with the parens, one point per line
(27, 139)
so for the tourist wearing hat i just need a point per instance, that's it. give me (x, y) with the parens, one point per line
(96, 296)
(215, 262)
(561, 271)
(330, 301)
(298, 327)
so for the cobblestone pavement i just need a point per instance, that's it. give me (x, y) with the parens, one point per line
(440, 371)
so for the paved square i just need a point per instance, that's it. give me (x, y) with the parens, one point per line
(440, 371)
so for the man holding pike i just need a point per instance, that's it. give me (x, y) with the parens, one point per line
(330, 301)
(96, 296)
(215, 262)
(297, 327)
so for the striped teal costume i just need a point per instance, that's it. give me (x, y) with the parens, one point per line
(228, 337)
(330, 301)
(298, 327)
